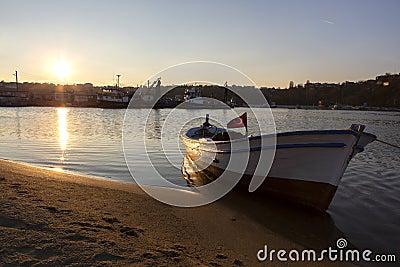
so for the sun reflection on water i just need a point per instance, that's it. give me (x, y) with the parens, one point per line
(62, 130)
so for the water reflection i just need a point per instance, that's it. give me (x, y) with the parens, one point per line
(153, 125)
(62, 130)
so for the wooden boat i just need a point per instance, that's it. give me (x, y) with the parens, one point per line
(306, 169)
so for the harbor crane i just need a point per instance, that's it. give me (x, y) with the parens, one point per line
(156, 83)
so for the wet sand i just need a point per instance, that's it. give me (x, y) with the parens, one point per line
(49, 217)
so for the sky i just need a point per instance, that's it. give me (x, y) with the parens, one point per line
(272, 42)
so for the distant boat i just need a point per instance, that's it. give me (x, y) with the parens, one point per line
(112, 98)
(194, 100)
(307, 167)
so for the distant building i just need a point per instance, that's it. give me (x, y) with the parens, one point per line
(387, 79)
(11, 95)
(318, 85)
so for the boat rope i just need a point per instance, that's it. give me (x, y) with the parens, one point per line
(389, 144)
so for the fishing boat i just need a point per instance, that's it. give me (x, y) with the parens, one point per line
(112, 98)
(306, 169)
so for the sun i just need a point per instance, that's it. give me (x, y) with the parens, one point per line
(62, 70)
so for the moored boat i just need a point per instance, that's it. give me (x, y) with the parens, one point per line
(194, 100)
(112, 98)
(306, 169)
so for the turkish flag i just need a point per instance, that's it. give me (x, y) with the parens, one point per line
(238, 122)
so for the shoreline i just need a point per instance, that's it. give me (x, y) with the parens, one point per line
(302, 107)
(56, 218)
(62, 171)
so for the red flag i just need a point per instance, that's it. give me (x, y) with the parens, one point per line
(238, 122)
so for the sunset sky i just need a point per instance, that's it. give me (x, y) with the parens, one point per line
(273, 42)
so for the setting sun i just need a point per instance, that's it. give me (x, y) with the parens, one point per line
(62, 70)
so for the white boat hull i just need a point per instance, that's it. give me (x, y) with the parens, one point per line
(307, 167)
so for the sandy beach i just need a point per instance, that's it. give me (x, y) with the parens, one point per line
(54, 218)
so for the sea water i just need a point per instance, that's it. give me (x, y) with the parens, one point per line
(366, 207)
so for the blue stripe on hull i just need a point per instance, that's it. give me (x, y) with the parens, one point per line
(294, 133)
(316, 132)
(285, 146)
